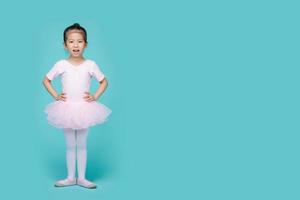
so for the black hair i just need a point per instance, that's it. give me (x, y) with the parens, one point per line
(75, 26)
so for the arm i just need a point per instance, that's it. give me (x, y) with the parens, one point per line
(102, 87)
(51, 90)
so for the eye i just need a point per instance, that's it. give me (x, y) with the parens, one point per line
(80, 41)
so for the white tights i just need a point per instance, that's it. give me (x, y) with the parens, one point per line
(76, 138)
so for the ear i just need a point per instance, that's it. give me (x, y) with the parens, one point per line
(65, 46)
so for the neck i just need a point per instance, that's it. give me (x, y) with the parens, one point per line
(76, 59)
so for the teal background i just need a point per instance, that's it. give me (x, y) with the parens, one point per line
(204, 97)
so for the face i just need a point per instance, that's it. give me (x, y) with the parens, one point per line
(75, 44)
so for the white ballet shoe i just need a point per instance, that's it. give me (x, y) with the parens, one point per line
(65, 182)
(87, 184)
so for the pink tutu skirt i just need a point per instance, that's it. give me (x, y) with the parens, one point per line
(76, 115)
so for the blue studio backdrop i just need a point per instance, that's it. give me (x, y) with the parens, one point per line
(204, 98)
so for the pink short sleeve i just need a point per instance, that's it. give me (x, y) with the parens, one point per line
(96, 72)
(55, 71)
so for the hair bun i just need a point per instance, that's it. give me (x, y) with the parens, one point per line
(76, 25)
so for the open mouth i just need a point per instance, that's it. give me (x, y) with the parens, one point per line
(75, 50)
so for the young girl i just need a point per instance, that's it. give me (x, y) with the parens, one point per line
(75, 109)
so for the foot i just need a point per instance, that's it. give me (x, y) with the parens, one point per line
(85, 183)
(65, 182)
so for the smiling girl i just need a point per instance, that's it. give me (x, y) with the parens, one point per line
(75, 108)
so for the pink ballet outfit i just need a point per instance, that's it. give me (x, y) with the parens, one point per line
(76, 112)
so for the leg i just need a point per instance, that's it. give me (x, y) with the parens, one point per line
(70, 158)
(71, 152)
(81, 141)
